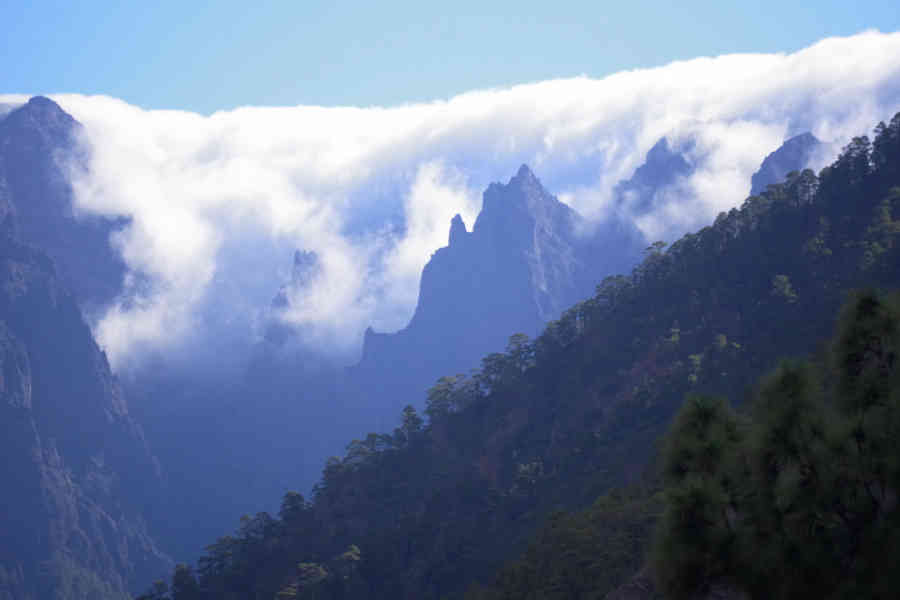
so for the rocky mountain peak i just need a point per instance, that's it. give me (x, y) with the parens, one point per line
(42, 104)
(457, 231)
(663, 162)
(524, 176)
(663, 166)
(38, 143)
(519, 267)
(512, 213)
(44, 117)
(793, 155)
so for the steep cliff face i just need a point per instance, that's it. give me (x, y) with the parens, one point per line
(39, 143)
(527, 258)
(793, 155)
(76, 468)
(75, 463)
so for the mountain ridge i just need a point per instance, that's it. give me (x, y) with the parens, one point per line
(793, 155)
(74, 525)
(39, 144)
(558, 422)
(524, 244)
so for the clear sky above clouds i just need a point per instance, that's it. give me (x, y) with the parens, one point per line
(205, 56)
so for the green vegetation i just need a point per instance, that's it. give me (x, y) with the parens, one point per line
(799, 499)
(581, 555)
(441, 505)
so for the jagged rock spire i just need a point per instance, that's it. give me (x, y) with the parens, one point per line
(457, 230)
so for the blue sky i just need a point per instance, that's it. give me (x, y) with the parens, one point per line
(208, 56)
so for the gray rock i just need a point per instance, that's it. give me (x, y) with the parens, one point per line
(39, 142)
(792, 155)
(527, 258)
(663, 167)
(76, 466)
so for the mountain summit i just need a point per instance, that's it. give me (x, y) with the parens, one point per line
(793, 155)
(39, 143)
(664, 165)
(524, 261)
(79, 470)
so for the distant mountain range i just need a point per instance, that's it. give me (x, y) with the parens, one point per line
(78, 523)
(465, 502)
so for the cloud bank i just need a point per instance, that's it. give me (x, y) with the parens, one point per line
(218, 203)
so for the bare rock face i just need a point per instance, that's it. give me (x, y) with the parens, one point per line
(663, 166)
(74, 462)
(458, 232)
(76, 468)
(793, 155)
(527, 258)
(39, 144)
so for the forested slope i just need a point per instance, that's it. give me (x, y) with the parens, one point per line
(557, 422)
(798, 497)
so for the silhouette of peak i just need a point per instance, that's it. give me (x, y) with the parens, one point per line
(40, 114)
(806, 138)
(523, 184)
(43, 108)
(793, 155)
(660, 151)
(519, 204)
(523, 178)
(43, 103)
(662, 165)
(457, 230)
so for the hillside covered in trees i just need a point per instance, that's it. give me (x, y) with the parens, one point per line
(440, 506)
(799, 497)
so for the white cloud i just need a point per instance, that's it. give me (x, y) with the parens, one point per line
(437, 194)
(219, 203)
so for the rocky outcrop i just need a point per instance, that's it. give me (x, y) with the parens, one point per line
(75, 464)
(527, 258)
(793, 155)
(76, 469)
(664, 166)
(39, 144)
